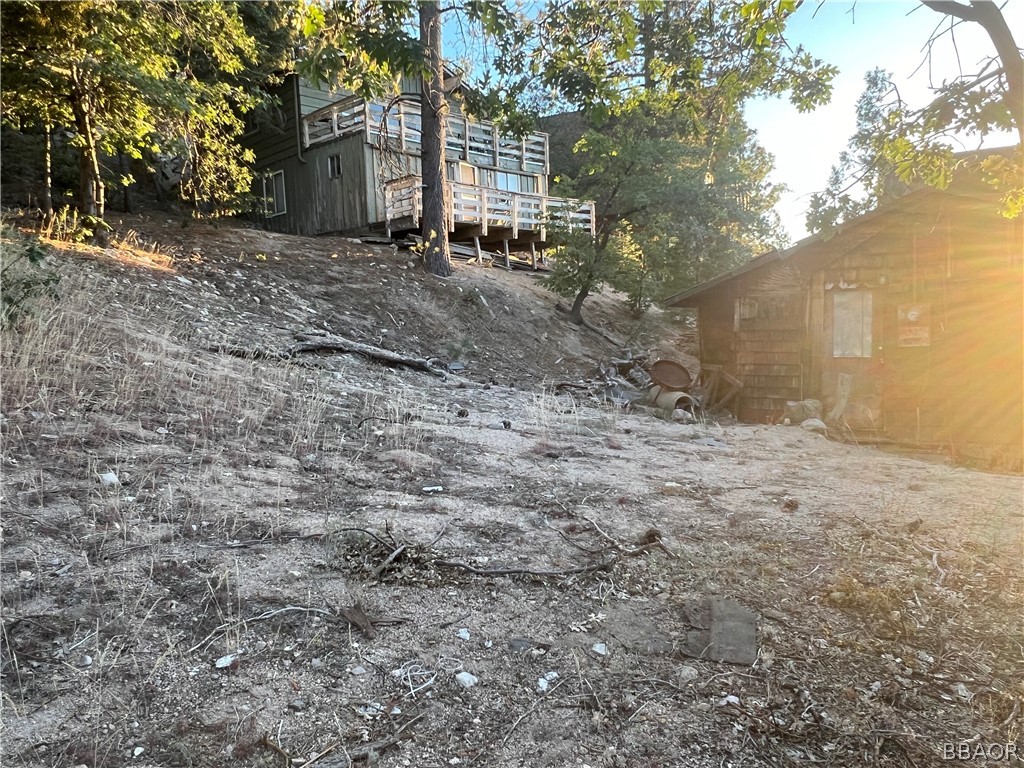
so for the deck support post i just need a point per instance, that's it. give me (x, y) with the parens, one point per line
(508, 264)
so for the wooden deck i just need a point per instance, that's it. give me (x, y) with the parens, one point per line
(484, 209)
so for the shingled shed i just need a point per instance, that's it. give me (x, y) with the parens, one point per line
(907, 323)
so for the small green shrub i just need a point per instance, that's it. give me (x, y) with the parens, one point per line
(26, 277)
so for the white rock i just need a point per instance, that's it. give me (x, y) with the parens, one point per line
(224, 662)
(137, 752)
(463, 634)
(729, 701)
(109, 479)
(544, 683)
(600, 649)
(466, 680)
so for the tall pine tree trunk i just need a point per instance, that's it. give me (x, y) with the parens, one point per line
(434, 117)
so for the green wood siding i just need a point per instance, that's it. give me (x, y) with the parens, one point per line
(318, 204)
(275, 137)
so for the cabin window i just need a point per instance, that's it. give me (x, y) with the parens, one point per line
(851, 324)
(273, 194)
(334, 167)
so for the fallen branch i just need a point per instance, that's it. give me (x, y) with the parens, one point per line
(602, 566)
(650, 540)
(332, 343)
(602, 333)
(357, 755)
(308, 343)
(390, 559)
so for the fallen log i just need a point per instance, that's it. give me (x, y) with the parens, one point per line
(332, 343)
(311, 343)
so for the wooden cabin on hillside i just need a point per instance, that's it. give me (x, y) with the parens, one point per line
(334, 162)
(907, 323)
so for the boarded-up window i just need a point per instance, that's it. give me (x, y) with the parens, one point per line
(746, 309)
(851, 324)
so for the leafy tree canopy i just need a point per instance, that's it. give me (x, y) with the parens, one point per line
(679, 180)
(142, 78)
(896, 145)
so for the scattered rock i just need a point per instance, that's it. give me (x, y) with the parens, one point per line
(802, 410)
(226, 662)
(686, 674)
(814, 425)
(297, 705)
(358, 671)
(456, 367)
(728, 701)
(710, 442)
(466, 679)
(403, 458)
(544, 683)
(138, 751)
(600, 649)
(463, 634)
(109, 479)
(504, 424)
(524, 644)
(433, 488)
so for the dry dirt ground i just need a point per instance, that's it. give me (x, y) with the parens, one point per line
(299, 562)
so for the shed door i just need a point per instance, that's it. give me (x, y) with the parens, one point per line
(851, 372)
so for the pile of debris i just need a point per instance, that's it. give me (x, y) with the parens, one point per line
(665, 386)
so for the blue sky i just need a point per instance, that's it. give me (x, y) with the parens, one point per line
(891, 34)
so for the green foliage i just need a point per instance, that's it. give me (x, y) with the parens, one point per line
(896, 146)
(873, 168)
(676, 205)
(25, 276)
(678, 179)
(141, 78)
(579, 262)
(69, 226)
(360, 45)
(602, 57)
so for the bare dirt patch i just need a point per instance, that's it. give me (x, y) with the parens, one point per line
(328, 562)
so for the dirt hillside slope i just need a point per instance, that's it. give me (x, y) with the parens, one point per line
(217, 561)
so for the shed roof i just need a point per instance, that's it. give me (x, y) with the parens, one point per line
(820, 249)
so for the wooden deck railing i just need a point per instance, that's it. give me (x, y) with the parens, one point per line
(475, 141)
(485, 207)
